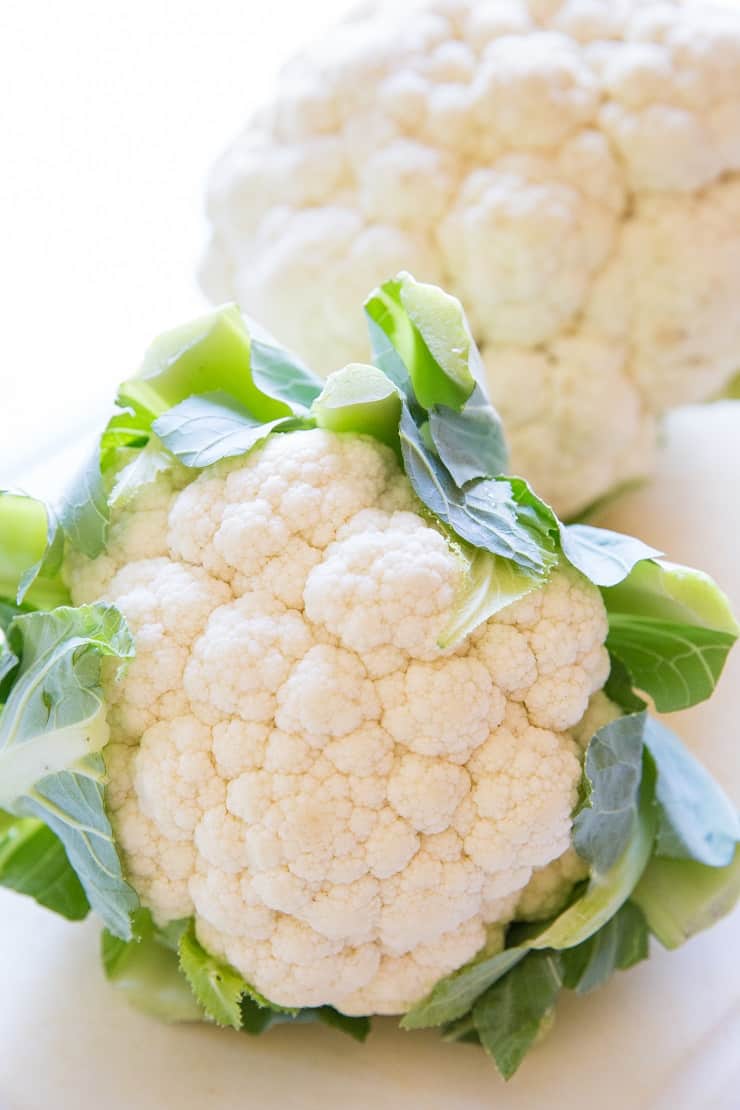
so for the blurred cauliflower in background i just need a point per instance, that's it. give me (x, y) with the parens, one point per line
(569, 169)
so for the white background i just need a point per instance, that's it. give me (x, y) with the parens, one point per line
(111, 114)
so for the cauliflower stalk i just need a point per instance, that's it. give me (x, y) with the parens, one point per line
(569, 169)
(324, 726)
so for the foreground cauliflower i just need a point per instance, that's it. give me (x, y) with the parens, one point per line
(569, 168)
(343, 806)
(311, 703)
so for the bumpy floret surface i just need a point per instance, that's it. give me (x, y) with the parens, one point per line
(348, 811)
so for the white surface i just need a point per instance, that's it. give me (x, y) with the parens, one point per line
(112, 114)
(69, 1043)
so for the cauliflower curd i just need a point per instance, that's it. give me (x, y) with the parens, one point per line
(347, 810)
(568, 168)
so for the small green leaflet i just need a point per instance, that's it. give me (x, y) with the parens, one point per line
(72, 805)
(491, 583)
(387, 359)
(680, 897)
(146, 969)
(355, 1027)
(470, 443)
(672, 628)
(484, 514)
(428, 330)
(696, 819)
(613, 772)
(52, 729)
(280, 373)
(212, 426)
(8, 660)
(84, 513)
(216, 986)
(145, 466)
(360, 399)
(605, 557)
(33, 862)
(618, 688)
(511, 1014)
(621, 943)
(453, 996)
(31, 552)
(228, 999)
(257, 1019)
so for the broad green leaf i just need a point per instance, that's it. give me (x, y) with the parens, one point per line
(484, 514)
(217, 987)
(8, 660)
(212, 426)
(462, 1031)
(491, 583)
(30, 552)
(355, 1027)
(622, 942)
(9, 610)
(672, 627)
(680, 897)
(33, 862)
(147, 971)
(676, 665)
(207, 355)
(55, 714)
(387, 359)
(127, 428)
(612, 772)
(605, 557)
(471, 442)
(618, 688)
(610, 889)
(454, 995)
(257, 1019)
(280, 373)
(84, 514)
(52, 730)
(696, 819)
(72, 804)
(360, 399)
(428, 330)
(513, 1012)
(145, 466)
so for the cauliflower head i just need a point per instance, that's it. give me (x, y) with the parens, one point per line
(349, 811)
(569, 168)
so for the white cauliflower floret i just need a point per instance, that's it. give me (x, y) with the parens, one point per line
(390, 579)
(569, 168)
(547, 891)
(347, 810)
